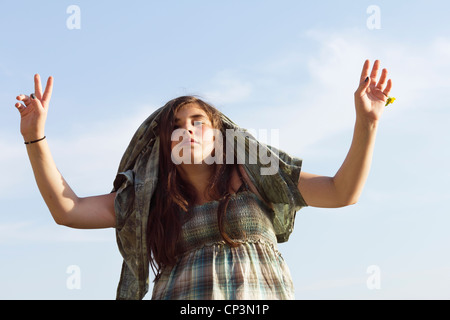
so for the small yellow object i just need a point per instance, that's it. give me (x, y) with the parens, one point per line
(389, 101)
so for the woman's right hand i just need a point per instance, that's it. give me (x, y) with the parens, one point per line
(33, 112)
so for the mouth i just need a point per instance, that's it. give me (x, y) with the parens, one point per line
(191, 142)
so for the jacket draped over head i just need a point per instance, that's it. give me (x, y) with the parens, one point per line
(137, 178)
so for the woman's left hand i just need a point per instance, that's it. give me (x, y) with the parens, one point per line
(371, 97)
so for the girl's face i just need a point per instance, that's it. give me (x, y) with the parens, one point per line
(192, 135)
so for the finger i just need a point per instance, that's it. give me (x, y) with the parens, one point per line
(20, 107)
(48, 90)
(26, 99)
(364, 80)
(374, 73)
(37, 86)
(382, 81)
(388, 88)
(365, 71)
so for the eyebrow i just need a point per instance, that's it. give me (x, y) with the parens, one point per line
(195, 116)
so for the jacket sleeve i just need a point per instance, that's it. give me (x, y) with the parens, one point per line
(276, 179)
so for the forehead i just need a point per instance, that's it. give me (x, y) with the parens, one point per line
(190, 110)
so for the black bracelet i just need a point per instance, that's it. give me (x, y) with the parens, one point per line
(29, 142)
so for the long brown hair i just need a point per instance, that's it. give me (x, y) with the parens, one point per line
(173, 195)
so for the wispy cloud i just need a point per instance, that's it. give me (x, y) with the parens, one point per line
(334, 283)
(88, 160)
(227, 87)
(30, 231)
(320, 103)
(16, 168)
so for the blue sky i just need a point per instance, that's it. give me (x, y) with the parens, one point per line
(255, 61)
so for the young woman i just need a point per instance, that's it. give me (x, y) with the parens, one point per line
(207, 226)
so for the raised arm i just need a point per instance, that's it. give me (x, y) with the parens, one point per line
(65, 206)
(346, 186)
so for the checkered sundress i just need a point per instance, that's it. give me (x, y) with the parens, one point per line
(208, 268)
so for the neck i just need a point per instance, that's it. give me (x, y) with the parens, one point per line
(198, 175)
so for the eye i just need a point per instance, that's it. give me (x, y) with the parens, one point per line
(198, 123)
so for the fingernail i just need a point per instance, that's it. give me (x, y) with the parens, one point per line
(33, 96)
(367, 79)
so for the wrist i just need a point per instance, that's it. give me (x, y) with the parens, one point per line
(33, 137)
(366, 123)
(35, 141)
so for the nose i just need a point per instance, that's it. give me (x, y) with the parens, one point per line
(187, 129)
(188, 126)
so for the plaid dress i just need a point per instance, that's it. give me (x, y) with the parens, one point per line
(208, 268)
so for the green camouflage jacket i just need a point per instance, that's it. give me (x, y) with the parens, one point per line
(137, 178)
